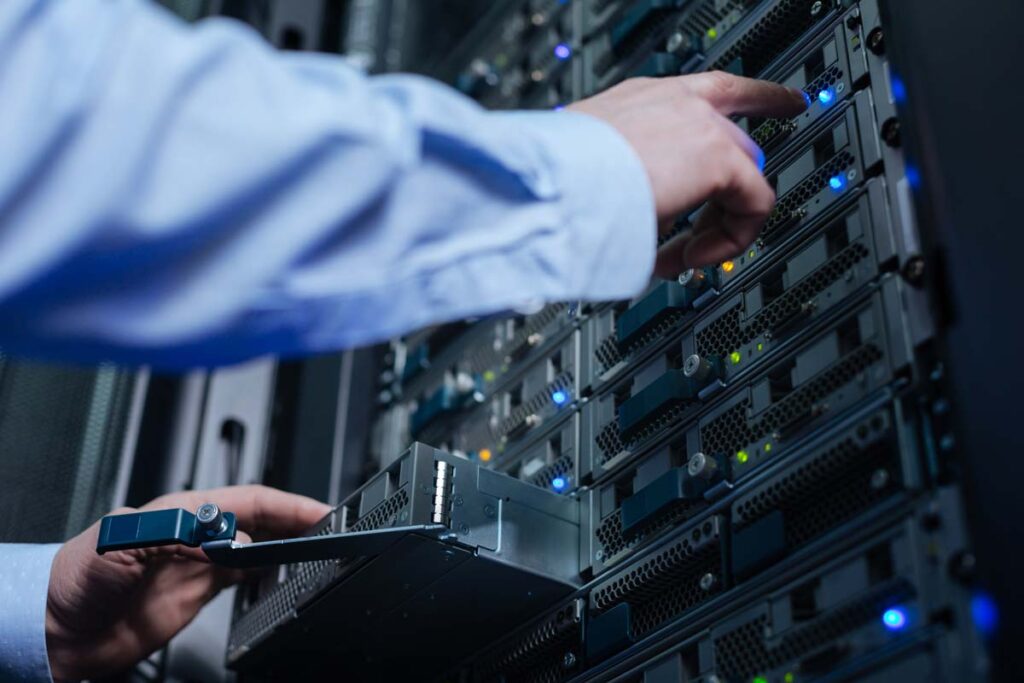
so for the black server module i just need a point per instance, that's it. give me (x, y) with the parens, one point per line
(763, 452)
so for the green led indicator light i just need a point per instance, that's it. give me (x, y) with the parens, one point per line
(742, 457)
(760, 346)
(767, 448)
(789, 677)
(712, 33)
(489, 376)
(735, 357)
(751, 253)
(759, 679)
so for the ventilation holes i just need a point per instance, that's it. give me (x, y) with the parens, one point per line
(668, 320)
(559, 468)
(279, 602)
(790, 203)
(486, 357)
(664, 586)
(732, 430)
(772, 130)
(384, 514)
(609, 440)
(727, 333)
(825, 492)
(770, 36)
(516, 418)
(609, 532)
(651, 26)
(537, 655)
(607, 353)
(742, 652)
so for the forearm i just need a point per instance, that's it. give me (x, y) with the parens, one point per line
(24, 581)
(207, 199)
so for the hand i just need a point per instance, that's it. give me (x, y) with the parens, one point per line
(106, 612)
(693, 154)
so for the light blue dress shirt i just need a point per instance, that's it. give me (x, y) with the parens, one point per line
(180, 196)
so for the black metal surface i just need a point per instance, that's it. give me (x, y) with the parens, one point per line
(349, 545)
(959, 62)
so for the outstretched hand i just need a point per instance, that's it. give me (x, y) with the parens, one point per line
(693, 153)
(106, 612)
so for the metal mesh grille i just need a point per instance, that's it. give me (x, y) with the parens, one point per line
(539, 655)
(61, 435)
(771, 35)
(559, 468)
(790, 206)
(668, 583)
(279, 603)
(743, 652)
(732, 430)
(728, 332)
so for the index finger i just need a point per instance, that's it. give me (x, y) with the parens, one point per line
(257, 508)
(736, 95)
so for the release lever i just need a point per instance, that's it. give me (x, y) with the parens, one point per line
(214, 531)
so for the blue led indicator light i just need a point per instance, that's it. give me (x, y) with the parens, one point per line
(913, 176)
(899, 90)
(559, 483)
(837, 183)
(559, 107)
(827, 96)
(563, 51)
(559, 397)
(895, 619)
(985, 614)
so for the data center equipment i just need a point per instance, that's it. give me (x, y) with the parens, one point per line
(756, 472)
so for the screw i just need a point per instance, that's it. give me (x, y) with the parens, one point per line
(701, 466)
(879, 479)
(891, 132)
(708, 581)
(913, 270)
(963, 567)
(488, 510)
(692, 278)
(675, 41)
(464, 529)
(210, 519)
(816, 8)
(458, 500)
(876, 41)
(569, 660)
(599, 554)
(696, 367)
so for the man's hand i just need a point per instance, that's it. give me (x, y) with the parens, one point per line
(693, 153)
(106, 612)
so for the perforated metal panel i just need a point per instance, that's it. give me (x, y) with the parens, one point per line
(61, 437)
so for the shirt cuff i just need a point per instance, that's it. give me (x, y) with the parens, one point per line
(24, 585)
(607, 202)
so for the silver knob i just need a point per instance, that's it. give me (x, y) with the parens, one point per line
(701, 466)
(210, 519)
(696, 367)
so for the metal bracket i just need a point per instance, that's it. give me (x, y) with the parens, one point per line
(227, 553)
(214, 532)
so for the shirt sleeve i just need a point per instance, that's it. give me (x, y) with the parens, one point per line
(24, 583)
(180, 196)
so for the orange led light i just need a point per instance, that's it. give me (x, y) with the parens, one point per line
(485, 455)
(727, 266)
